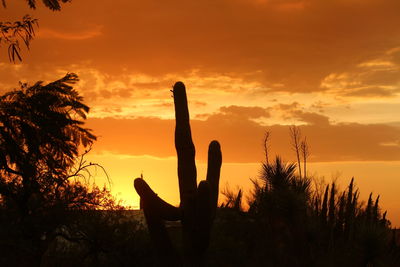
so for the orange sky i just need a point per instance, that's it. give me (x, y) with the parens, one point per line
(331, 66)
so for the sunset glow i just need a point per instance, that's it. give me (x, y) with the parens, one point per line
(250, 66)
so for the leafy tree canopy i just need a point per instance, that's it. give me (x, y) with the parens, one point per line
(12, 33)
(41, 133)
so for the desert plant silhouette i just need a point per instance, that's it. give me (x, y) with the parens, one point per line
(198, 203)
(42, 167)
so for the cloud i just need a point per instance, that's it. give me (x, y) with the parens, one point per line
(47, 33)
(378, 77)
(372, 92)
(294, 111)
(247, 112)
(241, 139)
(289, 107)
(292, 5)
(236, 113)
(293, 44)
(311, 118)
(240, 53)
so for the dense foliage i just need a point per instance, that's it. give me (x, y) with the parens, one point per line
(44, 189)
(291, 223)
(40, 136)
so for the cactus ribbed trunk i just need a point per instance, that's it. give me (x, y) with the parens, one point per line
(198, 203)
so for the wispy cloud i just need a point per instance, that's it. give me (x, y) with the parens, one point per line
(261, 43)
(378, 77)
(241, 139)
(48, 33)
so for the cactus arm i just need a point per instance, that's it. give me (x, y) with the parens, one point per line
(156, 211)
(154, 203)
(166, 253)
(204, 218)
(213, 173)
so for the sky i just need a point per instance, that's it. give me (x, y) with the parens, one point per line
(330, 67)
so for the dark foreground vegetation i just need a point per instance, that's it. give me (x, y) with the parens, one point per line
(283, 227)
(51, 214)
(289, 223)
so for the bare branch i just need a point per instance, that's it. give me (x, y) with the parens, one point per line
(83, 166)
(8, 169)
(295, 136)
(305, 152)
(266, 146)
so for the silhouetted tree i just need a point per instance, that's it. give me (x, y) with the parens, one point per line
(11, 33)
(41, 166)
(40, 134)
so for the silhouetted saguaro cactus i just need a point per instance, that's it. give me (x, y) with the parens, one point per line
(198, 203)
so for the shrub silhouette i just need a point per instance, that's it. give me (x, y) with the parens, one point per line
(198, 204)
(39, 141)
(289, 223)
(41, 133)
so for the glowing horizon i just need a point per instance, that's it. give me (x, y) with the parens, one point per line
(250, 66)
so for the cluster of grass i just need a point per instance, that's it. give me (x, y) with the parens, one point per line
(291, 223)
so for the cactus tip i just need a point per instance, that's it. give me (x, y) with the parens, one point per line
(179, 86)
(139, 184)
(215, 145)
